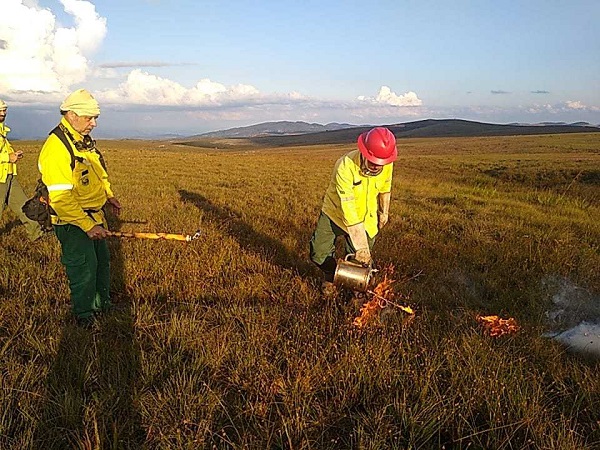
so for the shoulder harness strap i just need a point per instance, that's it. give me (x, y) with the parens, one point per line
(61, 135)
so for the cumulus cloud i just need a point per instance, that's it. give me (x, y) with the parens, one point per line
(535, 109)
(389, 98)
(142, 88)
(39, 55)
(575, 105)
(565, 107)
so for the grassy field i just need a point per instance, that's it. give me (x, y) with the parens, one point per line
(224, 342)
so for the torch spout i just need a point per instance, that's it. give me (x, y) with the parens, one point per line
(193, 237)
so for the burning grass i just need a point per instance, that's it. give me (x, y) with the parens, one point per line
(382, 296)
(494, 326)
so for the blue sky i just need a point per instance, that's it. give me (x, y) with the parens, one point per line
(187, 67)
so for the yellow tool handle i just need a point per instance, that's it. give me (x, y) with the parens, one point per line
(164, 236)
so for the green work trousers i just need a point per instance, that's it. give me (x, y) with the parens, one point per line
(322, 245)
(12, 195)
(87, 263)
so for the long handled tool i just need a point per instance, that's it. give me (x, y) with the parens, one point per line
(383, 302)
(163, 236)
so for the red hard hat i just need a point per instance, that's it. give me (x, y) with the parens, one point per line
(378, 145)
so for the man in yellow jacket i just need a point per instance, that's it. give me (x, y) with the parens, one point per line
(356, 204)
(78, 187)
(11, 192)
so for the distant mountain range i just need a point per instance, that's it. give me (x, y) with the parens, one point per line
(279, 134)
(274, 129)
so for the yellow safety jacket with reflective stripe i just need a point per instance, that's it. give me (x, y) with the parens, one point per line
(6, 149)
(77, 196)
(351, 197)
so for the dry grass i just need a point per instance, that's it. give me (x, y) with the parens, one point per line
(224, 342)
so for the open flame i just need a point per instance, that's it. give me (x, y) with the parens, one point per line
(382, 296)
(495, 326)
(367, 312)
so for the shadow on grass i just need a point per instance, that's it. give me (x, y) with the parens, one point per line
(91, 385)
(248, 237)
(9, 226)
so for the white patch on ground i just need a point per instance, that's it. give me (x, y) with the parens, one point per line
(584, 338)
(575, 316)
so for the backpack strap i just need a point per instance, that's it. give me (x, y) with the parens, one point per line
(61, 135)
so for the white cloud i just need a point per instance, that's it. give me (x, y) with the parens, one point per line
(575, 105)
(566, 107)
(389, 98)
(39, 55)
(142, 88)
(90, 27)
(535, 109)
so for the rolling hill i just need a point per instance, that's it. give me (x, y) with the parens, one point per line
(348, 133)
(274, 129)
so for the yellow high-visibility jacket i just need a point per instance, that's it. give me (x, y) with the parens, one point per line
(77, 196)
(351, 197)
(6, 149)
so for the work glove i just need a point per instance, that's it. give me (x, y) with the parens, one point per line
(363, 256)
(358, 237)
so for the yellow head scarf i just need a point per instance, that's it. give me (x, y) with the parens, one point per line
(3, 105)
(82, 103)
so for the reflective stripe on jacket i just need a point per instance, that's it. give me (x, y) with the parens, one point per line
(351, 197)
(6, 149)
(77, 196)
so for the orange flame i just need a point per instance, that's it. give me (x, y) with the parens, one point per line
(367, 312)
(382, 296)
(495, 326)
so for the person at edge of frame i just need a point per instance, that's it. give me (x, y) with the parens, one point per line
(78, 192)
(11, 192)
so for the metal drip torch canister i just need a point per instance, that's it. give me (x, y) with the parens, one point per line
(352, 274)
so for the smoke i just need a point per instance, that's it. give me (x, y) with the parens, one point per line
(37, 54)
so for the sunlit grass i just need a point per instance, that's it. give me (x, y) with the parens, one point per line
(225, 342)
